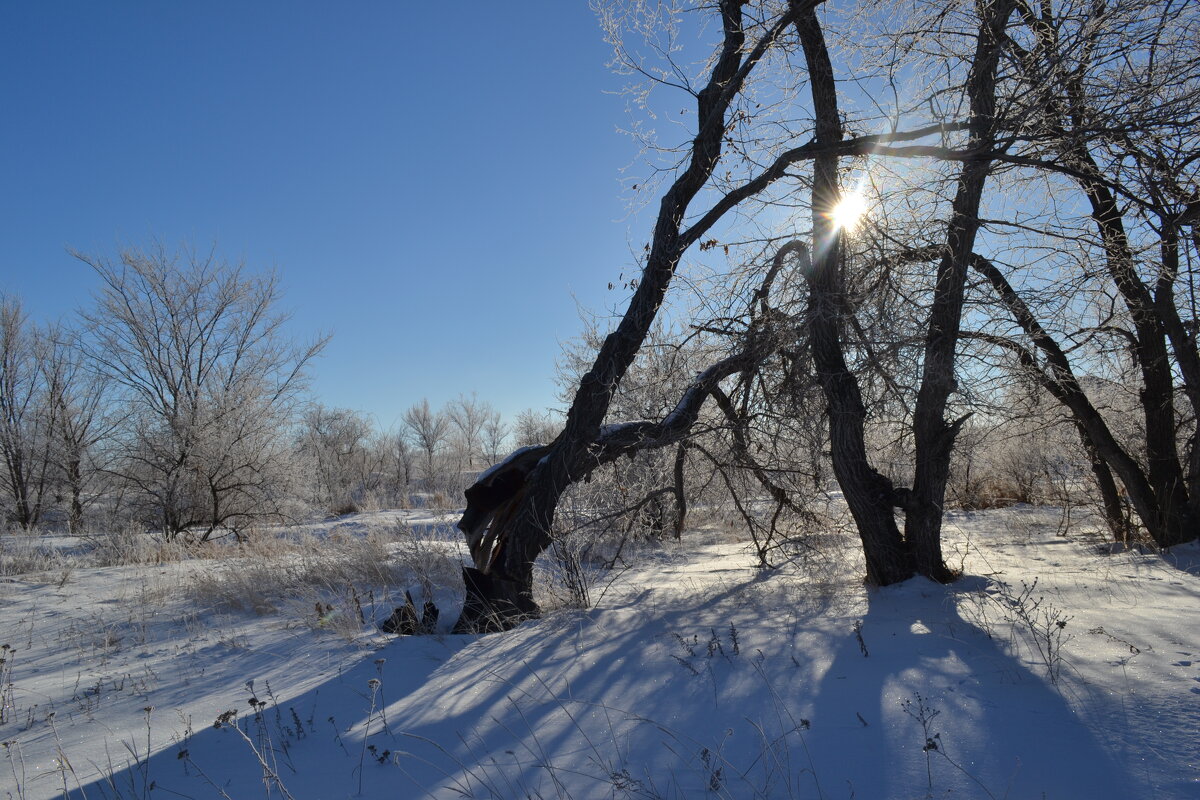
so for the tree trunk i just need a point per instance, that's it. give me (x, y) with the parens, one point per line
(74, 475)
(933, 436)
(869, 494)
(492, 604)
(524, 533)
(1110, 496)
(677, 491)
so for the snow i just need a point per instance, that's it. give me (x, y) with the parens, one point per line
(696, 675)
(509, 459)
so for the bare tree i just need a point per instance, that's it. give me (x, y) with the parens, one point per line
(533, 427)
(495, 436)
(428, 430)
(336, 443)
(199, 356)
(403, 460)
(1114, 91)
(81, 419)
(510, 513)
(770, 130)
(25, 417)
(468, 416)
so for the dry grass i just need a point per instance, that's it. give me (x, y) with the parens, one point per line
(24, 554)
(258, 577)
(343, 583)
(127, 545)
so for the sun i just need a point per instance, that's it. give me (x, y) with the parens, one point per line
(849, 211)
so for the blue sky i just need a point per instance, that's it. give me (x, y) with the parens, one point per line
(438, 184)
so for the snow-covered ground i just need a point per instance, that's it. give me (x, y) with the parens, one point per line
(696, 675)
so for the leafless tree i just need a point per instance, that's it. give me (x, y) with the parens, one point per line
(81, 419)
(25, 416)
(467, 416)
(993, 97)
(495, 437)
(429, 431)
(533, 427)
(403, 462)
(1114, 92)
(507, 528)
(336, 444)
(199, 356)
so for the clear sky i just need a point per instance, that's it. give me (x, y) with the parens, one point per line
(437, 183)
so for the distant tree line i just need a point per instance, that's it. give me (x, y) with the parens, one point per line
(177, 401)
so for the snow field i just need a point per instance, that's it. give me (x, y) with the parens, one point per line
(696, 675)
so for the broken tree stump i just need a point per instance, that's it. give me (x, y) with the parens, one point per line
(492, 604)
(493, 601)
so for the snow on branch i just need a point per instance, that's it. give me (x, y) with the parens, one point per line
(625, 438)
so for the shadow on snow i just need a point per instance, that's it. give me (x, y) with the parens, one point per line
(760, 690)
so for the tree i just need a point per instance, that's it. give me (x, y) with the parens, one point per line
(468, 416)
(534, 427)
(80, 420)
(428, 430)
(25, 417)
(999, 91)
(1117, 89)
(200, 358)
(495, 434)
(337, 444)
(507, 527)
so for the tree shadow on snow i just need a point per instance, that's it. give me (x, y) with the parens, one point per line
(749, 692)
(922, 702)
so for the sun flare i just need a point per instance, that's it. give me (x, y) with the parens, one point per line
(849, 211)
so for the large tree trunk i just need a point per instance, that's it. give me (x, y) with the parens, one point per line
(869, 494)
(494, 601)
(933, 436)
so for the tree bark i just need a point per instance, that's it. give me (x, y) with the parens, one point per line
(933, 436)
(869, 494)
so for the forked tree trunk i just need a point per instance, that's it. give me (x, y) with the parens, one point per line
(933, 436)
(869, 494)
